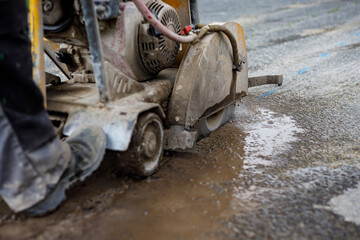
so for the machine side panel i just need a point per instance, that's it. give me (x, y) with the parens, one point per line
(117, 123)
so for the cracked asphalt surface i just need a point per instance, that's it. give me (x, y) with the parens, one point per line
(286, 166)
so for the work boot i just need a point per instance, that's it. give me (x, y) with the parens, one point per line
(87, 145)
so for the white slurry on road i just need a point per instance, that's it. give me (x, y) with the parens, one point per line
(268, 137)
(346, 205)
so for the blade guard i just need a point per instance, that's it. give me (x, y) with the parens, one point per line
(206, 81)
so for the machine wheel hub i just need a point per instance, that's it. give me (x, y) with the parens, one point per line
(149, 144)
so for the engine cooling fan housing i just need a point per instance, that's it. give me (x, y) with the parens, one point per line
(156, 51)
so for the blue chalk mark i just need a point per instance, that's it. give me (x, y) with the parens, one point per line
(267, 94)
(324, 54)
(342, 44)
(357, 34)
(302, 70)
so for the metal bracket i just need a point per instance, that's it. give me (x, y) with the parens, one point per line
(180, 140)
(95, 46)
(107, 9)
(264, 80)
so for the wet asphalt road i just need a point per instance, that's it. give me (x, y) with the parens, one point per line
(285, 167)
(309, 188)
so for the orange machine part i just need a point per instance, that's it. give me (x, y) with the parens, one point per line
(182, 7)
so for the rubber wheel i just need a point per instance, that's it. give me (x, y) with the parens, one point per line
(144, 155)
(213, 122)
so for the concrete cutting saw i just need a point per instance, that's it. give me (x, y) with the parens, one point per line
(147, 72)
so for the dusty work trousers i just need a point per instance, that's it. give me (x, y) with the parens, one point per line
(32, 159)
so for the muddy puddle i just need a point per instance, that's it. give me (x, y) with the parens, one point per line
(188, 199)
(191, 197)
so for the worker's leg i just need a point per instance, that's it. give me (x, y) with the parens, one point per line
(31, 158)
(35, 166)
(21, 99)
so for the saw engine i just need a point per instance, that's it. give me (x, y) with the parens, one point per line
(130, 43)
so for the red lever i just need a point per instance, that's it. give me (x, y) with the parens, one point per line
(186, 30)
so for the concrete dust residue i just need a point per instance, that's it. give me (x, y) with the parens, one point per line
(268, 137)
(347, 205)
